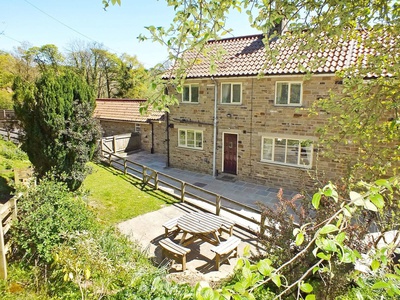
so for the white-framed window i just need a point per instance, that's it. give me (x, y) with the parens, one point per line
(137, 127)
(189, 138)
(288, 93)
(231, 93)
(190, 93)
(288, 151)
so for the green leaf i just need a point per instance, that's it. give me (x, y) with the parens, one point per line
(299, 239)
(264, 268)
(370, 206)
(306, 288)
(323, 256)
(380, 285)
(316, 200)
(377, 199)
(375, 265)
(315, 269)
(340, 237)
(276, 279)
(310, 297)
(356, 198)
(328, 229)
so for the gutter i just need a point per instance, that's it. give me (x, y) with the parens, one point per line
(214, 162)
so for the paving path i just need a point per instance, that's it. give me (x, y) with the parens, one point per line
(241, 191)
(147, 231)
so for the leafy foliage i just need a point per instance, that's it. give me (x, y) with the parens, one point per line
(60, 133)
(47, 214)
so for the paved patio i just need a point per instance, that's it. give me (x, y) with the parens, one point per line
(147, 230)
(241, 191)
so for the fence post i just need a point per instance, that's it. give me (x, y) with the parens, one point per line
(3, 261)
(263, 217)
(156, 180)
(114, 144)
(183, 186)
(218, 205)
(124, 166)
(144, 175)
(109, 159)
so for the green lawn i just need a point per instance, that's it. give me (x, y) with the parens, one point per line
(116, 197)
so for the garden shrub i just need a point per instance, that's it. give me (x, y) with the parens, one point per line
(47, 213)
(106, 265)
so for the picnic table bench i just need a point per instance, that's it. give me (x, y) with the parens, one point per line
(169, 247)
(225, 249)
(171, 225)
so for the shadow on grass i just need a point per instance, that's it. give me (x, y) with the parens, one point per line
(159, 194)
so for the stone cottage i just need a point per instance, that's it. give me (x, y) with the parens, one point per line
(234, 123)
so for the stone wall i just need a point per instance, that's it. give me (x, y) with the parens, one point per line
(110, 128)
(255, 117)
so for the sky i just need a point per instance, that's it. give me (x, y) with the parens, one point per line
(62, 22)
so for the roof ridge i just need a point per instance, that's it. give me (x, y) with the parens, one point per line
(237, 37)
(121, 99)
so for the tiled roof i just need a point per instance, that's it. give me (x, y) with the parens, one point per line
(247, 56)
(126, 110)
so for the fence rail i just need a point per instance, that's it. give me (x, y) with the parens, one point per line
(8, 213)
(188, 192)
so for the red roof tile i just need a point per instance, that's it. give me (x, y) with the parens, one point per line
(126, 110)
(247, 56)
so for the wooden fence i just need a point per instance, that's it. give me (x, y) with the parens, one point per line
(245, 216)
(8, 213)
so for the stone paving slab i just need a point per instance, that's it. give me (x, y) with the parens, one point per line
(244, 192)
(147, 230)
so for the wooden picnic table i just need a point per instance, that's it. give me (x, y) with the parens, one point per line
(200, 225)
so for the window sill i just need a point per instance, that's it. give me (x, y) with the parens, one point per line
(182, 102)
(191, 149)
(288, 105)
(264, 162)
(237, 104)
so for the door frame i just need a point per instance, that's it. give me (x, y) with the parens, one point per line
(223, 150)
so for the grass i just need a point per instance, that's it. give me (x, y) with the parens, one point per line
(116, 197)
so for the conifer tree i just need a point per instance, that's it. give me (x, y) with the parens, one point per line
(60, 133)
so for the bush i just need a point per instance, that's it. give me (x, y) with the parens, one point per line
(47, 213)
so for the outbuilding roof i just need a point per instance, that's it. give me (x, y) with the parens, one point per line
(248, 56)
(125, 110)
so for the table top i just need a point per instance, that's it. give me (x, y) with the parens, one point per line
(199, 222)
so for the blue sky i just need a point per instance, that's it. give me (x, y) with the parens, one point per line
(39, 22)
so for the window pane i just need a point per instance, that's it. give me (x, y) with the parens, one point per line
(182, 137)
(282, 90)
(199, 139)
(226, 93)
(190, 138)
(292, 155)
(295, 92)
(195, 94)
(267, 149)
(236, 93)
(305, 155)
(279, 150)
(185, 94)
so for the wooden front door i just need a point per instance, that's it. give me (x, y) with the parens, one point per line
(230, 153)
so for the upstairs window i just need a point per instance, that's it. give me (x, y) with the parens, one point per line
(190, 93)
(190, 138)
(231, 93)
(287, 151)
(288, 93)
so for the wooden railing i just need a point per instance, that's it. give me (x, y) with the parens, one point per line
(187, 192)
(8, 213)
